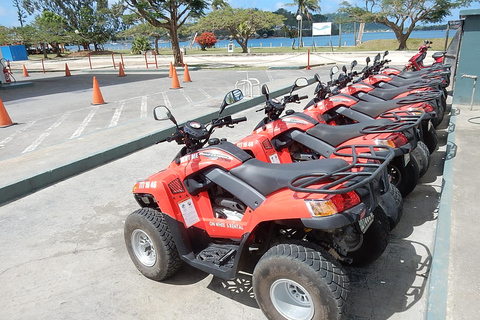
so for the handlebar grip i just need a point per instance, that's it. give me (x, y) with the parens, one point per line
(302, 97)
(174, 136)
(241, 119)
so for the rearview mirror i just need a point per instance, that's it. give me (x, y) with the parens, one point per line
(163, 113)
(266, 91)
(301, 82)
(333, 70)
(344, 69)
(377, 57)
(230, 98)
(353, 64)
(385, 53)
(367, 60)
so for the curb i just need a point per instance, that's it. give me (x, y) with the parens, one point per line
(438, 279)
(29, 185)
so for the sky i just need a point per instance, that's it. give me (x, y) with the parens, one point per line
(8, 14)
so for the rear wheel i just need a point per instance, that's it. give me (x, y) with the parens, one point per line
(150, 244)
(300, 282)
(422, 156)
(392, 204)
(429, 137)
(404, 177)
(373, 241)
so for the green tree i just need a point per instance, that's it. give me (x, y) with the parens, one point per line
(87, 21)
(51, 29)
(402, 15)
(170, 15)
(21, 12)
(241, 24)
(147, 30)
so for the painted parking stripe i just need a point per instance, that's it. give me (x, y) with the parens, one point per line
(186, 96)
(270, 77)
(205, 93)
(167, 101)
(37, 142)
(85, 123)
(4, 142)
(143, 112)
(116, 115)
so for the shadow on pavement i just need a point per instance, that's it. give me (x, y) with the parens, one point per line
(77, 82)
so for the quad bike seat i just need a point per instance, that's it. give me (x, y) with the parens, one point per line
(388, 93)
(270, 177)
(376, 108)
(336, 135)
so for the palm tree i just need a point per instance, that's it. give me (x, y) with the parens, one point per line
(304, 7)
(219, 4)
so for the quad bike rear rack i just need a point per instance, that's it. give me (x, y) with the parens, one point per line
(368, 165)
(422, 96)
(402, 120)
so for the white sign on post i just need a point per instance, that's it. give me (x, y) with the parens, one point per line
(322, 29)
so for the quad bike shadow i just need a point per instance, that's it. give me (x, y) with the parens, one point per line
(398, 279)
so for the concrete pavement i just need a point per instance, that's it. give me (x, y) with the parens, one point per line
(393, 288)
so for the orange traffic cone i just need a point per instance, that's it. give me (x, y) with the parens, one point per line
(5, 120)
(25, 72)
(170, 72)
(97, 95)
(121, 73)
(67, 71)
(175, 83)
(186, 75)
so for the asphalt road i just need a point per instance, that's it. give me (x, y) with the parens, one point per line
(62, 248)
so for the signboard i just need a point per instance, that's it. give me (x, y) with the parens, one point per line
(322, 29)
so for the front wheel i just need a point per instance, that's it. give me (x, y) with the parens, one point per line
(300, 282)
(150, 244)
(429, 137)
(404, 177)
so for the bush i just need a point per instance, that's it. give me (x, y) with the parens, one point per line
(140, 44)
(206, 40)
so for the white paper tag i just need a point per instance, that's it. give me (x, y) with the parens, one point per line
(274, 158)
(189, 213)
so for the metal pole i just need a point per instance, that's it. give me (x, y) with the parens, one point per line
(90, 61)
(474, 85)
(308, 60)
(43, 66)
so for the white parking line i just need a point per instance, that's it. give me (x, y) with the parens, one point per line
(4, 142)
(167, 101)
(143, 112)
(205, 93)
(85, 123)
(185, 95)
(42, 137)
(35, 144)
(270, 77)
(116, 115)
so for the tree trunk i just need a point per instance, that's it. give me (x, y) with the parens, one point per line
(177, 57)
(156, 44)
(402, 42)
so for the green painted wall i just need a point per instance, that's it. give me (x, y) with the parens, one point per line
(469, 59)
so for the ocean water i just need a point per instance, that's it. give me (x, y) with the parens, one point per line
(347, 39)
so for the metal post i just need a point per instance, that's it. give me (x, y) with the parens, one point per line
(308, 60)
(474, 85)
(113, 61)
(43, 66)
(121, 58)
(146, 63)
(90, 61)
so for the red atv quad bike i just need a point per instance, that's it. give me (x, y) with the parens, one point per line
(215, 207)
(372, 101)
(297, 137)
